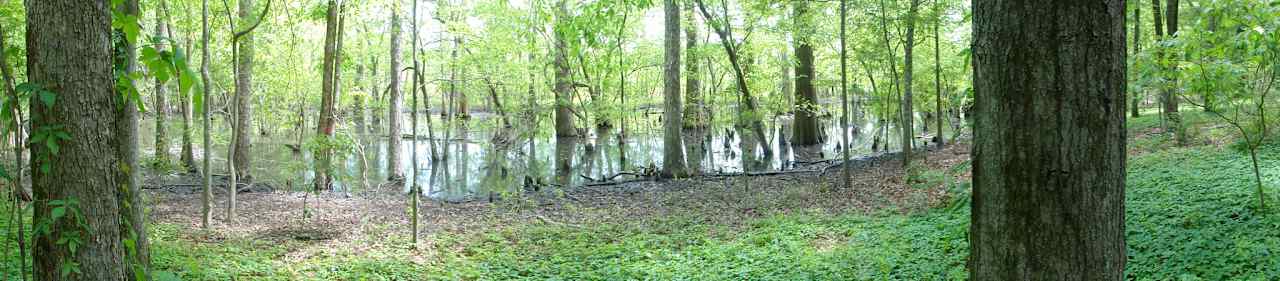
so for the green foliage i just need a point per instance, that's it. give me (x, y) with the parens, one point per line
(1188, 214)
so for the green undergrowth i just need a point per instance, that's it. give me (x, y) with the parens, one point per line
(1191, 214)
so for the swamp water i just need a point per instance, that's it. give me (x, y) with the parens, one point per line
(473, 166)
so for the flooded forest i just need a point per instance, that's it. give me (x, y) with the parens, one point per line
(639, 140)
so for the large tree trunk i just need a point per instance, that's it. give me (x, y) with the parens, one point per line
(1049, 141)
(325, 123)
(161, 105)
(563, 87)
(394, 173)
(693, 113)
(244, 95)
(69, 53)
(805, 130)
(673, 163)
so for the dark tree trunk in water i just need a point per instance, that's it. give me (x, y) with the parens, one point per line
(563, 88)
(394, 172)
(244, 94)
(69, 53)
(673, 163)
(806, 107)
(1049, 141)
(693, 113)
(324, 127)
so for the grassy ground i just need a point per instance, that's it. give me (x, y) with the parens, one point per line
(1190, 212)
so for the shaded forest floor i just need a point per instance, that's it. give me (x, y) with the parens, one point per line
(1190, 213)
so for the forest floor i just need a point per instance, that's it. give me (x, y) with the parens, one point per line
(341, 225)
(1191, 214)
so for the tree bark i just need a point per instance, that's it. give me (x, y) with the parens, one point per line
(908, 110)
(693, 112)
(673, 162)
(937, 73)
(325, 123)
(1170, 91)
(69, 53)
(1049, 141)
(161, 104)
(133, 225)
(805, 130)
(1137, 35)
(563, 87)
(244, 95)
(394, 172)
(206, 197)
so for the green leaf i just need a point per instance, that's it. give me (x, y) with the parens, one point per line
(47, 98)
(58, 212)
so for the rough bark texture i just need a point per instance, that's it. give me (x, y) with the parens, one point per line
(563, 87)
(324, 125)
(393, 109)
(244, 95)
(673, 164)
(1049, 141)
(693, 109)
(69, 52)
(161, 106)
(805, 129)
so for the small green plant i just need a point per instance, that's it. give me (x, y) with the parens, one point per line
(74, 232)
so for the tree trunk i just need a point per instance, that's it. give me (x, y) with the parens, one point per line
(206, 197)
(70, 54)
(324, 125)
(415, 190)
(394, 172)
(673, 162)
(161, 105)
(244, 94)
(1137, 47)
(806, 100)
(725, 33)
(693, 112)
(908, 110)
(937, 73)
(846, 178)
(133, 226)
(563, 88)
(188, 154)
(1170, 91)
(1049, 141)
